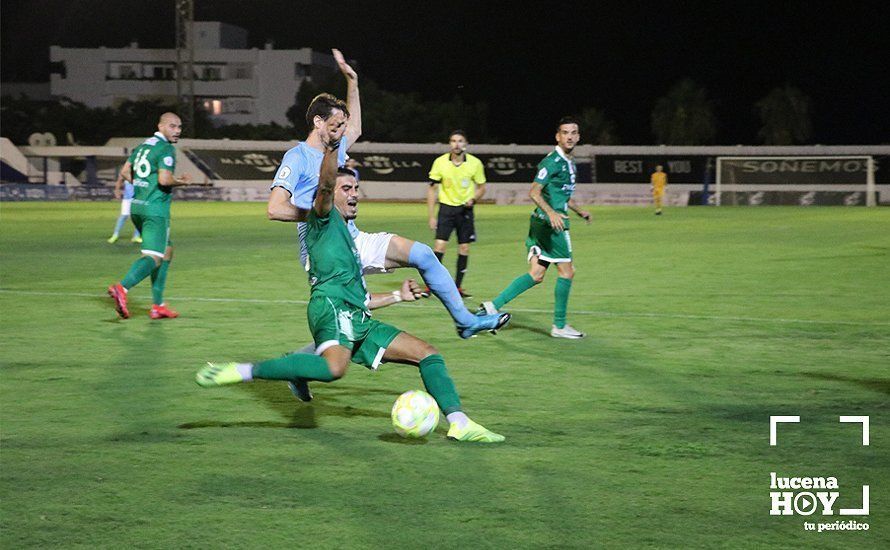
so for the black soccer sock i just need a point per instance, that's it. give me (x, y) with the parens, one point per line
(439, 255)
(462, 260)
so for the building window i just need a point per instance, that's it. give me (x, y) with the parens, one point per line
(213, 106)
(227, 105)
(124, 71)
(210, 72)
(239, 105)
(241, 72)
(59, 68)
(160, 72)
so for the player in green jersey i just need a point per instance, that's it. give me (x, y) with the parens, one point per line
(548, 239)
(150, 168)
(340, 317)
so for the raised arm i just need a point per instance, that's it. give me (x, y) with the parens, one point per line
(353, 101)
(327, 181)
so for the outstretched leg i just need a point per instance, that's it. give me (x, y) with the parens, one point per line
(300, 386)
(519, 285)
(408, 349)
(404, 252)
(329, 366)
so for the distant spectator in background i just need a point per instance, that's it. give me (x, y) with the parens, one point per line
(126, 199)
(659, 181)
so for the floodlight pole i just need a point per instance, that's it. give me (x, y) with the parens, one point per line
(185, 59)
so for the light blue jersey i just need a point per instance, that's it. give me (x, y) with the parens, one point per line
(298, 175)
(129, 190)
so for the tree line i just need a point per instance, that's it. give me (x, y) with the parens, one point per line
(684, 116)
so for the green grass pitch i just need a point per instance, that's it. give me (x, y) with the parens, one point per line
(651, 432)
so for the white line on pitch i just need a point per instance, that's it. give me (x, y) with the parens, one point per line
(521, 310)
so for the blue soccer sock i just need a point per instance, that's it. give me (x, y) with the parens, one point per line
(120, 224)
(436, 276)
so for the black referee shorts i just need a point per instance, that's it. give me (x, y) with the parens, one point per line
(456, 218)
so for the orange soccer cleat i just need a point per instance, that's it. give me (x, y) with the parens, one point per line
(162, 312)
(119, 294)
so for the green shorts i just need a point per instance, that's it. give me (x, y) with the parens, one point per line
(546, 243)
(334, 322)
(155, 231)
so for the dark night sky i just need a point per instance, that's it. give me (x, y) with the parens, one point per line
(533, 64)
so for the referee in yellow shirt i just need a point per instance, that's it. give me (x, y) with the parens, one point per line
(460, 179)
(659, 181)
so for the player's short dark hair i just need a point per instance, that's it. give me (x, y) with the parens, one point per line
(344, 171)
(323, 105)
(568, 120)
(457, 132)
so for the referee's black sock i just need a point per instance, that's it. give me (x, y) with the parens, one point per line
(462, 260)
(439, 255)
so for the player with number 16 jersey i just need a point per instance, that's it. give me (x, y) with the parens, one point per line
(150, 168)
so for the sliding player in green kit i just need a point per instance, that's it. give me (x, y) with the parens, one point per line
(548, 239)
(339, 313)
(150, 168)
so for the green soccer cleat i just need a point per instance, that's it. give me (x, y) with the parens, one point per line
(136, 239)
(473, 432)
(112, 239)
(218, 374)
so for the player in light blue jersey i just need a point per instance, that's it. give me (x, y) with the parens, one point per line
(293, 191)
(126, 198)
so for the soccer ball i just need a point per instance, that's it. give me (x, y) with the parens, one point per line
(415, 414)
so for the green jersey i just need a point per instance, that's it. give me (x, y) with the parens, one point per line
(335, 268)
(556, 174)
(155, 154)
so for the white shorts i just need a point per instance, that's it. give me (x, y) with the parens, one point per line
(125, 207)
(372, 249)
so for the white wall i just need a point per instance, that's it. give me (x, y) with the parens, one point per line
(271, 87)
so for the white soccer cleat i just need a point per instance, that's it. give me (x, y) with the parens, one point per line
(567, 331)
(488, 308)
